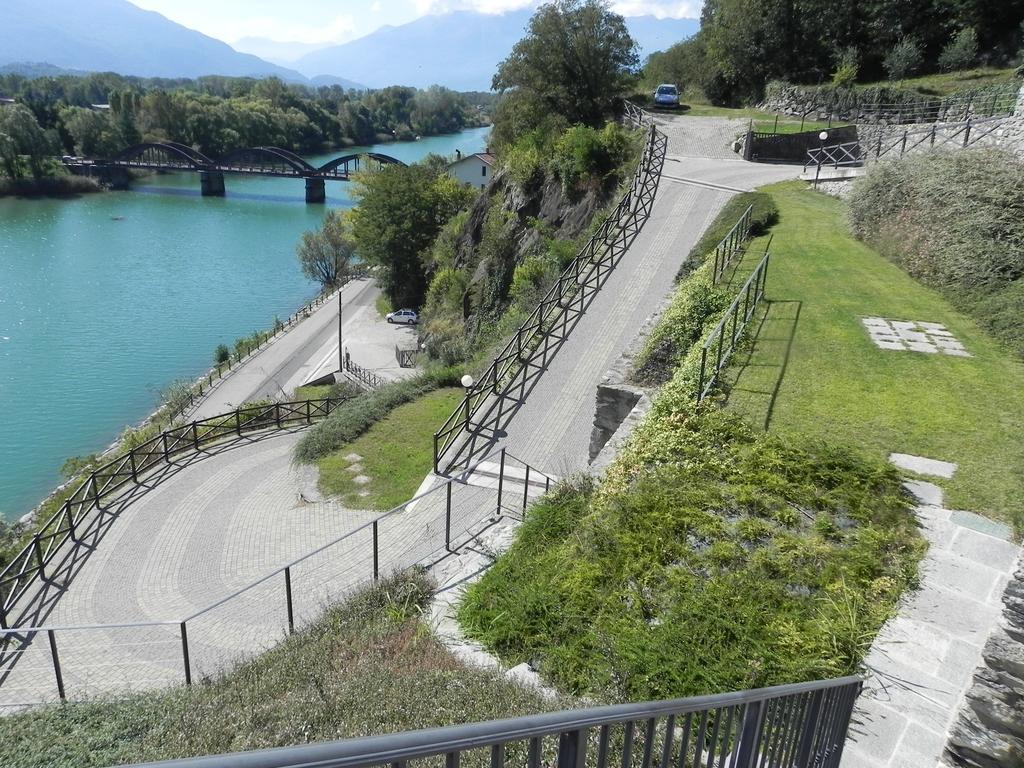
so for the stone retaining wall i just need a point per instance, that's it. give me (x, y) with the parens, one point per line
(989, 731)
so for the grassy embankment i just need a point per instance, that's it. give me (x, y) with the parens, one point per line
(395, 454)
(390, 429)
(712, 556)
(367, 667)
(814, 371)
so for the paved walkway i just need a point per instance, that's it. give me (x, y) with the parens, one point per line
(923, 661)
(219, 519)
(309, 351)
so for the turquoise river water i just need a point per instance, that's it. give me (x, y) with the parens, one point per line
(107, 298)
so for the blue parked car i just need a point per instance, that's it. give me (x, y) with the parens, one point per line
(667, 95)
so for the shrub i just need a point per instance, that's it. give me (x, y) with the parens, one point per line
(585, 156)
(352, 418)
(961, 51)
(730, 560)
(955, 221)
(903, 59)
(847, 69)
(221, 354)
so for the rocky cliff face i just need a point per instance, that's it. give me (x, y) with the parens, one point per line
(989, 732)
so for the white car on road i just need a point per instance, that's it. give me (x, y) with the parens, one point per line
(407, 316)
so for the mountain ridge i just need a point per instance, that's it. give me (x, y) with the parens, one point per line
(474, 45)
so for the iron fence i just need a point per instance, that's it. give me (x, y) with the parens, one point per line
(789, 726)
(206, 383)
(110, 478)
(364, 376)
(721, 342)
(69, 660)
(897, 144)
(584, 275)
(732, 244)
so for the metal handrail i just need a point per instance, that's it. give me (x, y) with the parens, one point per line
(592, 259)
(205, 384)
(796, 726)
(750, 296)
(729, 245)
(462, 478)
(30, 564)
(364, 376)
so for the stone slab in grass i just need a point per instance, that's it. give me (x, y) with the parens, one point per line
(923, 466)
(913, 336)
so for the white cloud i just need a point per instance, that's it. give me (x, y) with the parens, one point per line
(662, 9)
(338, 30)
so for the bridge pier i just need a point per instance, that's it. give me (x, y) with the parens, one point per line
(315, 191)
(212, 183)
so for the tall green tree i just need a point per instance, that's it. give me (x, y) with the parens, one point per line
(400, 211)
(576, 59)
(326, 253)
(22, 139)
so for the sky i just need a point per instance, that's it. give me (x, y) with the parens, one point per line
(323, 22)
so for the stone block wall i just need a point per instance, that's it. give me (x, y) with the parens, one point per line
(989, 731)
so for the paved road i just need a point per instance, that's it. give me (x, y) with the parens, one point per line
(223, 517)
(310, 351)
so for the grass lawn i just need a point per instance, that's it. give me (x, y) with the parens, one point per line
(945, 83)
(395, 454)
(814, 370)
(366, 668)
(789, 125)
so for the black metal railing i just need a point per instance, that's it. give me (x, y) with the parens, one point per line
(723, 339)
(202, 386)
(732, 244)
(580, 279)
(78, 658)
(130, 469)
(364, 376)
(900, 143)
(788, 726)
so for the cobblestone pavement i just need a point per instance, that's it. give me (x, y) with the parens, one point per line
(230, 515)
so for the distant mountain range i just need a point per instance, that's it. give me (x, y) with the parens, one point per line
(460, 50)
(116, 36)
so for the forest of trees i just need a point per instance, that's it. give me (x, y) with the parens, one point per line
(744, 44)
(218, 114)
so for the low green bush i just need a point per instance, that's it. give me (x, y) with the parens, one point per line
(590, 157)
(696, 304)
(367, 667)
(720, 559)
(355, 416)
(955, 221)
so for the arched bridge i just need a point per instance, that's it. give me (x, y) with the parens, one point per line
(252, 161)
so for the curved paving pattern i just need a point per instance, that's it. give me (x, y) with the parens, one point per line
(220, 520)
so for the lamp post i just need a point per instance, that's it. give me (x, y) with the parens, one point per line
(467, 382)
(341, 360)
(821, 154)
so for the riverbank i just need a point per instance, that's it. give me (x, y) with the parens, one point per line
(54, 186)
